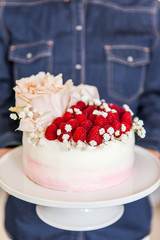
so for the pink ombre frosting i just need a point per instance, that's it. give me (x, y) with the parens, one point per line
(92, 169)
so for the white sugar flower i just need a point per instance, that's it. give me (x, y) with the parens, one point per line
(68, 128)
(101, 131)
(26, 109)
(136, 119)
(70, 110)
(110, 130)
(59, 132)
(13, 116)
(42, 142)
(29, 140)
(124, 138)
(93, 143)
(123, 127)
(117, 133)
(127, 108)
(97, 102)
(106, 137)
(104, 114)
(80, 144)
(65, 137)
(96, 112)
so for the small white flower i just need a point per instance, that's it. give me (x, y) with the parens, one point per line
(136, 119)
(106, 137)
(110, 130)
(68, 128)
(30, 114)
(59, 132)
(113, 110)
(127, 108)
(96, 112)
(70, 110)
(97, 102)
(42, 142)
(93, 143)
(22, 115)
(104, 114)
(65, 137)
(32, 135)
(26, 109)
(29, 140)
(13, 116)
(91, 103)
(101, 131)
(117, 133)
(80, 144)
(124, 138)
(76, 110)
(123, 127)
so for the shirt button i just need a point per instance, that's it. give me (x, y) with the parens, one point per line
(29, 55)
(78, 66)
(130, 59)
(78, 27)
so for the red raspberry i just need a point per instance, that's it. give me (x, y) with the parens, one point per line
(65, 127)
(88, 110)
(87, 125)
(109, 129)
(74, 123)
(92, 117)
(100, 121)
(110, 118)
(114, 106)
(58, 121)
(75, 106)
(79, 134)
(94, 138)
(116, 125)
(121, 111)
(64, 136)
(81, 117)
(116, 116)
(51, 132)
(67, 116)
(125, 127)
(126, 117)
(81, 104)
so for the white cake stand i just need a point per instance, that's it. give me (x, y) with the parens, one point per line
(81, 211)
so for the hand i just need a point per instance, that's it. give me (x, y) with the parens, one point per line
(157, 154)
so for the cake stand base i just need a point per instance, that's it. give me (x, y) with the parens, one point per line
(82, 219)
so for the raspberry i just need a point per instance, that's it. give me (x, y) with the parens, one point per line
(109, 129)
(92, 117)
(114, 106)
(100, 121)
(116, 125)
(121, 111)
(58, 121)
(88, 110)
(65, 127)
(125, 127)
(51, 132)
(87, 125)
(75, 106)
(79, 134)
(64, 137)
(94, 138)
(126, 117)
(110, 118)
(74, 123)
(116, 116)
(67, 116)
(81, 117)
(81, 105)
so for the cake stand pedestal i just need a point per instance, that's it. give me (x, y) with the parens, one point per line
(81, 211)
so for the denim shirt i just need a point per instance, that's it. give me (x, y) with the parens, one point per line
(112, 44)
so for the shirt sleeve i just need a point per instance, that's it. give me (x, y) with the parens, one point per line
(8, 136)
(149, 108)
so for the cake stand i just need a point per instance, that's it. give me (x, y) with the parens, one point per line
(81, 211)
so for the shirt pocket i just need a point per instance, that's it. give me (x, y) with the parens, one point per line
(126, 71)
(31, 58)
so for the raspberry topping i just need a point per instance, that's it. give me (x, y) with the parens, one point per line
(79, 134)
(51, 132)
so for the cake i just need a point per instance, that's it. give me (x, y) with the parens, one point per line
(72, 140)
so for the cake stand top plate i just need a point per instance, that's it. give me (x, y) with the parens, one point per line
(144, 179)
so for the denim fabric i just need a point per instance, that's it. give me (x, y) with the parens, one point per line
(112, 44)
